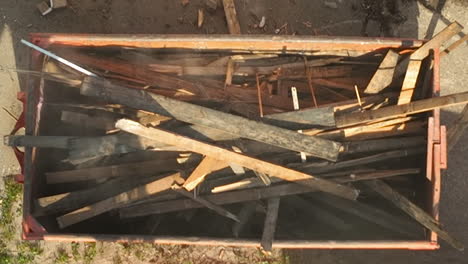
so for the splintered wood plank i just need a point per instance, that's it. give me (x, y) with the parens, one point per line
(270, 224)
(383, 77)
(348, 119)
(206, 166)
(237, 158)
(453, 46)
(409, 83)
(119, 200)
(414, 211)
(207, 117)
(231, 17)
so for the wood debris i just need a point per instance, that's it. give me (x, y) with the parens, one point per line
(206, 144)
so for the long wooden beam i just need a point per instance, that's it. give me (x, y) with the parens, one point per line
(348, 119)
(236, 158)
(270, 224)
(203, 116)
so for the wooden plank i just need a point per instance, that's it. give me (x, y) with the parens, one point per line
(321, 167)
(67, 202)
(231, 17)
(458, 128)
(218, 209)
(269, 226)
(414, 211)
(424, 105)
(340, 176)
(382, 144)
(383, 77)
(423, 51)
(321, 116)
(206, 166)
(409, 83)
(210, 118)
(60, 142)
(238, 196)
(119, 200)
(120, 170)
(237, 158)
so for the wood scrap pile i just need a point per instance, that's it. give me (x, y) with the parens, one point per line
(262, 146)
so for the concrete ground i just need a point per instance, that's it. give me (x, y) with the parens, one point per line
(303, 17)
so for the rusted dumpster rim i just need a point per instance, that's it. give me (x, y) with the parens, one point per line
(225, 42)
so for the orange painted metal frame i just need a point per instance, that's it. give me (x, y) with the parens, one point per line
(436, 155)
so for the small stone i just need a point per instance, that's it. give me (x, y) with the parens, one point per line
(331, 4)
(59, 4)
(262, 22)
(211, 4)
(44, 8)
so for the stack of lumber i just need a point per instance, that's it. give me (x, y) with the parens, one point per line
(231, 144)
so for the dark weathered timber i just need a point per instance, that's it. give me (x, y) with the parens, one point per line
(382, 144)
(135, 194)
(238, 196)
(218, 209)
(322, 116)
(228, 156)
(383, 77)
(370, 213)
(211, 118)
(60, 142)
(121, 170)
(414, 211)
(324, 167)
(424, 105)
(269, 227)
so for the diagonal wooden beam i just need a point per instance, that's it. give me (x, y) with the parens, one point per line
(237, 158)
(207, 117)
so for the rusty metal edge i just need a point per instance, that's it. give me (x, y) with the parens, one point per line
(225, 42)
